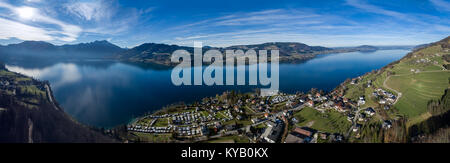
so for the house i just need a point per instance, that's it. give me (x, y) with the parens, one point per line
(350, 117)
(302, 100)
(361, 101)
(295, 120)
(369, 111)
(287, 113)
(361, 117)
(329, 104)
(345, 100)
(236, 108)
(272, 132)
(340, 107)
(382, 101)
(310, 103)
(356, 128)
(255, 120)
(375, 94)
(239, 117)
(302, 132)
(318, 94)
(387, 124)
(289, 103)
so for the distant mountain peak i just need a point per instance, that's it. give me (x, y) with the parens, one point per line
(95, 49)
(34, 43)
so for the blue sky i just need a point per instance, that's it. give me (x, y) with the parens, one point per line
(129, 23)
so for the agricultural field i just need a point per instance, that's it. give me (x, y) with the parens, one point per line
(330, 121)
(417, 90)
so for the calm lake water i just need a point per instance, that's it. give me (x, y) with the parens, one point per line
(106, 94)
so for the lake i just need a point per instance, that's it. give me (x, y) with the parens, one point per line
(108, 93)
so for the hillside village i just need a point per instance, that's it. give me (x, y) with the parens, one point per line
(358, 110)
(261, 119)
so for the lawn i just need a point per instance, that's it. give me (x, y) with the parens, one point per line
(417, 90)
(204, 113)
(234, 121)
(221, 114)
(331, 121)
(148, 137)
(230, 139)
(161, 122)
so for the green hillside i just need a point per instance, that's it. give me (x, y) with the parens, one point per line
(416, 79)
(417, 90)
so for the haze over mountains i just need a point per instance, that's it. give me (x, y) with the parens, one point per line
(160, 53)
(96, 49)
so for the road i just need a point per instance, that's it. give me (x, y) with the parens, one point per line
(50, 97)
(355, 119)
(399, 94)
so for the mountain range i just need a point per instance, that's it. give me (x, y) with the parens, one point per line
(96, 49)
(154, 53)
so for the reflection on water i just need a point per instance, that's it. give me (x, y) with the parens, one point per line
(65, 73)
(111, 93)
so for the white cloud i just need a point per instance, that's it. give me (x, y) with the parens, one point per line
(265, 17)
(441, 5)
(316, 39)
(33, 1)
(96, 10)
(10, 29)
(104, 17)
(374, 9)
(44, 28)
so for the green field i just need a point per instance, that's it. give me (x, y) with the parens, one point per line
(417, 90)
(419, 77)
(234, 121)
(7, 73)
(148, 137)
(331, 121)
(161, 122)
(230, 139)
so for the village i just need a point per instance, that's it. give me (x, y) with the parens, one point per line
(269, 119)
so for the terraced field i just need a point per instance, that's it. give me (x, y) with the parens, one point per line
(416, 79)
(420, 78)
(418, 89)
